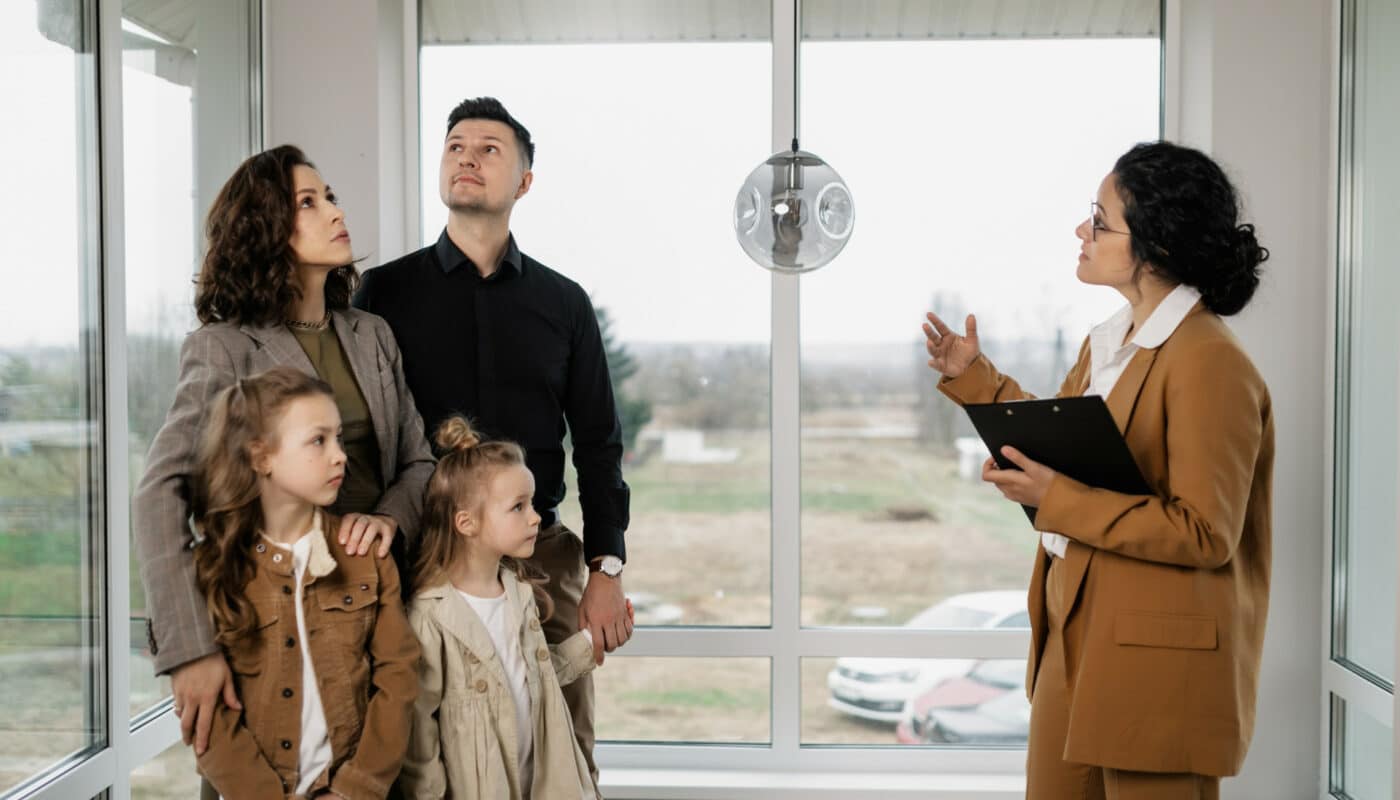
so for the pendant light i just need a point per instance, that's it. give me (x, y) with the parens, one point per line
(794, 213)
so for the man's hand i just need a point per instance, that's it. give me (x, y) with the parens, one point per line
(198, 686)
(1027, 485)
(358, 532)
(605, 612)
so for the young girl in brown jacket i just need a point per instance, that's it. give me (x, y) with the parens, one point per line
(320, 649)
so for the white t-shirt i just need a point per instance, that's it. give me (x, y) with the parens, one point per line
(314, 755)
(495, 616)
(1109, 357)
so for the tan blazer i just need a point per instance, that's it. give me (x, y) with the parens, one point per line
(464, 737)
(1164, 637)
(213, 357)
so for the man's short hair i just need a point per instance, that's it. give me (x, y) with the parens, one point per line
(491, 108)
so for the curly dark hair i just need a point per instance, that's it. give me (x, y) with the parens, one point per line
(249, 271)
(491, 108)
(1183, 214)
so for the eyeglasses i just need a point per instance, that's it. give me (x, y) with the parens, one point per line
(1096, 225)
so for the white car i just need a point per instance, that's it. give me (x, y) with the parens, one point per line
(879, 689)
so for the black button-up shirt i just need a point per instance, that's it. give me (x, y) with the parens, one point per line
(519, 354)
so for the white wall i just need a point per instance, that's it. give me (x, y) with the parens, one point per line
(1263, 108)
(1255, 91)
(322, 63)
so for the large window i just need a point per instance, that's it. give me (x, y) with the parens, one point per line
(814, 562)
(1361, 673)
(123, 114)
(51, 559)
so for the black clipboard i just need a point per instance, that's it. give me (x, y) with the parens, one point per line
(1075, 436)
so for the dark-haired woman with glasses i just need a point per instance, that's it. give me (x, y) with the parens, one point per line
(274, 290)
(1147, 611)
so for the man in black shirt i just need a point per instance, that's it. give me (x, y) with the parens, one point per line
(490, 333)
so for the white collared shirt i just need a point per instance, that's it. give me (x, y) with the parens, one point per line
(1109, 357)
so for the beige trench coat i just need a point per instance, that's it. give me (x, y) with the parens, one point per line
(463, 739)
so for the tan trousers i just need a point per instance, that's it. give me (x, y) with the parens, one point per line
(559, 554)
(1048, 775)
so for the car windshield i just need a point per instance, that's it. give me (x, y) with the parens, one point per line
(1006, 673)
(948, 615)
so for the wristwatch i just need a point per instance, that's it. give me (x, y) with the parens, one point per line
(610, 566)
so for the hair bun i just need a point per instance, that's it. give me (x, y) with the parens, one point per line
(1238, 276)
(457, 435)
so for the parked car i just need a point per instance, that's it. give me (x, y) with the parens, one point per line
(879, 689)
(1003, 720)
(986, 681)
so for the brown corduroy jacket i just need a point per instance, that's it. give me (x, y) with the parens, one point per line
(366, 659)
(1172, 587)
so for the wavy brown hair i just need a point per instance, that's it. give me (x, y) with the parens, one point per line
(458, 483)
(249, 271)
(224, 490)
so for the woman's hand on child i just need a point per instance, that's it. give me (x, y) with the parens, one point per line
(1027, 485)
(198, 686)
(358, 532)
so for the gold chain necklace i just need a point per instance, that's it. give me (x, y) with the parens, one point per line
(319, 325)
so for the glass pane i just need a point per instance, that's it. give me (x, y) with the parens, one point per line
(185, 65)
(958, 210)
(168, 776)
(948, 701)
(690, 700)
(1372, 428)
(50, 480)
(1366, 756)
(634, 178)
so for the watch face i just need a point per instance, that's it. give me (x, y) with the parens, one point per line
(611, 566)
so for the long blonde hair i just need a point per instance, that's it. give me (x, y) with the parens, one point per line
(458, 483)
(224, 490)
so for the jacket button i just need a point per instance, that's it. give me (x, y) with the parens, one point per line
(534, 624)
(542, 653)
(286, 744)
(291, 642)
(261, 548)
(286, 590)
(364, 587)
(349, 600)
(481, 686)
(286, 692)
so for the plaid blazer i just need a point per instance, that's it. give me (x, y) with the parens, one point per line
(178, 626)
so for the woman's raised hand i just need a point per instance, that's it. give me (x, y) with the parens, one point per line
(949, 352)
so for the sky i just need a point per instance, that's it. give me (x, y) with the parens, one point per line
(970, 164)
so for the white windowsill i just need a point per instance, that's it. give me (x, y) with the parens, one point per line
(669, 784)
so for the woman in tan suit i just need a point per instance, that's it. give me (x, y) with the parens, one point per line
(274, 290)
(1147, 611)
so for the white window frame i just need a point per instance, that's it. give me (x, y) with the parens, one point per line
(131, 741)
(1345, 687)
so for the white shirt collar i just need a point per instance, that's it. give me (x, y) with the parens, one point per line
(1164, 320)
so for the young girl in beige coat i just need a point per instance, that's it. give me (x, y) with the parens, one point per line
(490, 721)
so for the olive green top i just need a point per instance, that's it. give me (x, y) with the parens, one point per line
(363, 484)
